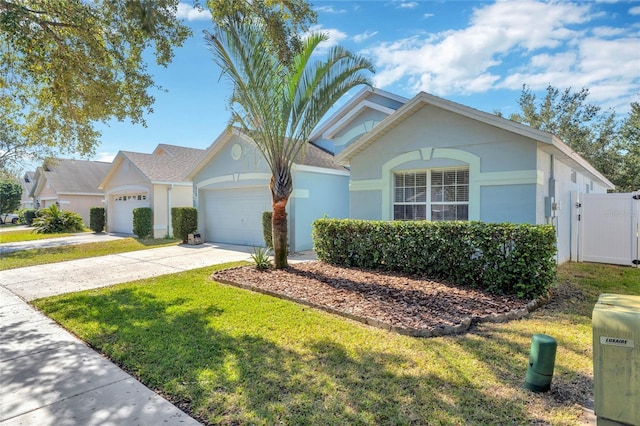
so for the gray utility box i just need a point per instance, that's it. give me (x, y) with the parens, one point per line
(616, 359)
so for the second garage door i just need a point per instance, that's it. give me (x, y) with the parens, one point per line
(234, 216)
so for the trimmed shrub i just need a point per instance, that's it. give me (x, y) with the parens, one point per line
(142, 222)
(184, 221)
(97, 219)
(52, 220)
(501, 258)
(26, 216)
(267, 229)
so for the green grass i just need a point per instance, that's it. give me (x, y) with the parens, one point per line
(27, 235)
(231, 356)
(20, 259)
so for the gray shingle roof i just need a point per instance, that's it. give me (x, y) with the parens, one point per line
(75, 176)
(170, 164)
(318, 157)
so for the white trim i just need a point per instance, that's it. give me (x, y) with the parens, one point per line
(315, 169)
(348, 117)
(127, 189)
(97, 194)
(160, 182)
(236, 177)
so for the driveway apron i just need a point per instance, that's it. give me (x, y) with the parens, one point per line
(48, 376)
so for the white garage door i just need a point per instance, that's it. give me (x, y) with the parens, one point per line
(234, 216)
(123, 206)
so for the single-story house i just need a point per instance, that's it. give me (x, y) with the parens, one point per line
(433, 159)
(231, 186)
(26, 182)
(70, 184)
(156, 180)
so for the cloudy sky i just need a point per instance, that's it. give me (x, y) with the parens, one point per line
(476, 53)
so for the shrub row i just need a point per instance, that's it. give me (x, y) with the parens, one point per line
(501, 258)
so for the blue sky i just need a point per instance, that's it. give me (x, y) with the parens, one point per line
(473, 52)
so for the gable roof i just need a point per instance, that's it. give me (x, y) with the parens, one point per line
(547, 141)
(350, 110)
(27, 181)
(167, 163)
(68, 176)
(314, 155)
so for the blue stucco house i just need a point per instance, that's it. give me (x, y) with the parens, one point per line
(384, 157)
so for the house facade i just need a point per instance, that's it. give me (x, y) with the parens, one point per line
(231, 190)
(155, 180)
(432, 159)
(26, 182)
(72, 185)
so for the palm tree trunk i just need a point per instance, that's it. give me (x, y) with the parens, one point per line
(279, 231)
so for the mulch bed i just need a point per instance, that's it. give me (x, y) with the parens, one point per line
(406, 304)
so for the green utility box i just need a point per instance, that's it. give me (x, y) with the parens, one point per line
(542, 359)
(616, 359)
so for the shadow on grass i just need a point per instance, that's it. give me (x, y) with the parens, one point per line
(224, 374)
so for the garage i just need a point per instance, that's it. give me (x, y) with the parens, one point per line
(234, 216)
(123, 206)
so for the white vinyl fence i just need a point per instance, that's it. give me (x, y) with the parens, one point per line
(606, 228)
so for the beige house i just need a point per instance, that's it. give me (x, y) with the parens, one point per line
(72, 185)
(156, 180)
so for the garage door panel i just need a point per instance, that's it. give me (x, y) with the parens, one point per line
(123, 206)
(234, 216)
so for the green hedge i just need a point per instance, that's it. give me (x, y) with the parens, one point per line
(267, 229)
(96, 219)
(26, 216)
(502, 258)
(142, 222)
(184, 221)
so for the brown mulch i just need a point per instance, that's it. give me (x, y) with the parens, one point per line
(391, 300)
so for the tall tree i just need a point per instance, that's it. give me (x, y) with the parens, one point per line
(67, 64)
(588, 130)
(630, 147)
(278, 103)
(282, 20)
(10, 195)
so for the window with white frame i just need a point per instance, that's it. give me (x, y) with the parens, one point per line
(431, 195)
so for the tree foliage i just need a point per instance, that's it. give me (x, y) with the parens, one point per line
(67, 64)
(282, 21)
(10, 195)
(630, 147)
(278, 103)
(587, 129)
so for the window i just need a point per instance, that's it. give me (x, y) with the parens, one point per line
(432, 195)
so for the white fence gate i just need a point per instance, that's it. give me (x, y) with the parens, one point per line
(608, 228)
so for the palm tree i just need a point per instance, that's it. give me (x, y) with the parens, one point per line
(278, 105)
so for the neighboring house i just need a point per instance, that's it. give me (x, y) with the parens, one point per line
(156, 180)
(70, 184)
(231, 185)
(435, 159)
(26, 181)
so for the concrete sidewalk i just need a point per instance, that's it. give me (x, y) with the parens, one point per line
(49, 377)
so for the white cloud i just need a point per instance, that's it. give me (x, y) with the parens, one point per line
(428, 15)
(359, 38)
(191, 13)
(330, 9)
(635, 10)
(508, 44)
(406, 4)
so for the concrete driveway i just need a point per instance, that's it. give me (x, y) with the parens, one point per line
(49, 377)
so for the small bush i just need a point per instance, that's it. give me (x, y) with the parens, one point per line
(501, 258)
(96, 219)
(26, 216)
(142, 222)
(261, 258)
(52, 220)
(184, 221)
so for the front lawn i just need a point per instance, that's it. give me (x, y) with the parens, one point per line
(27, 235)
(20, 259)
(231, 356)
